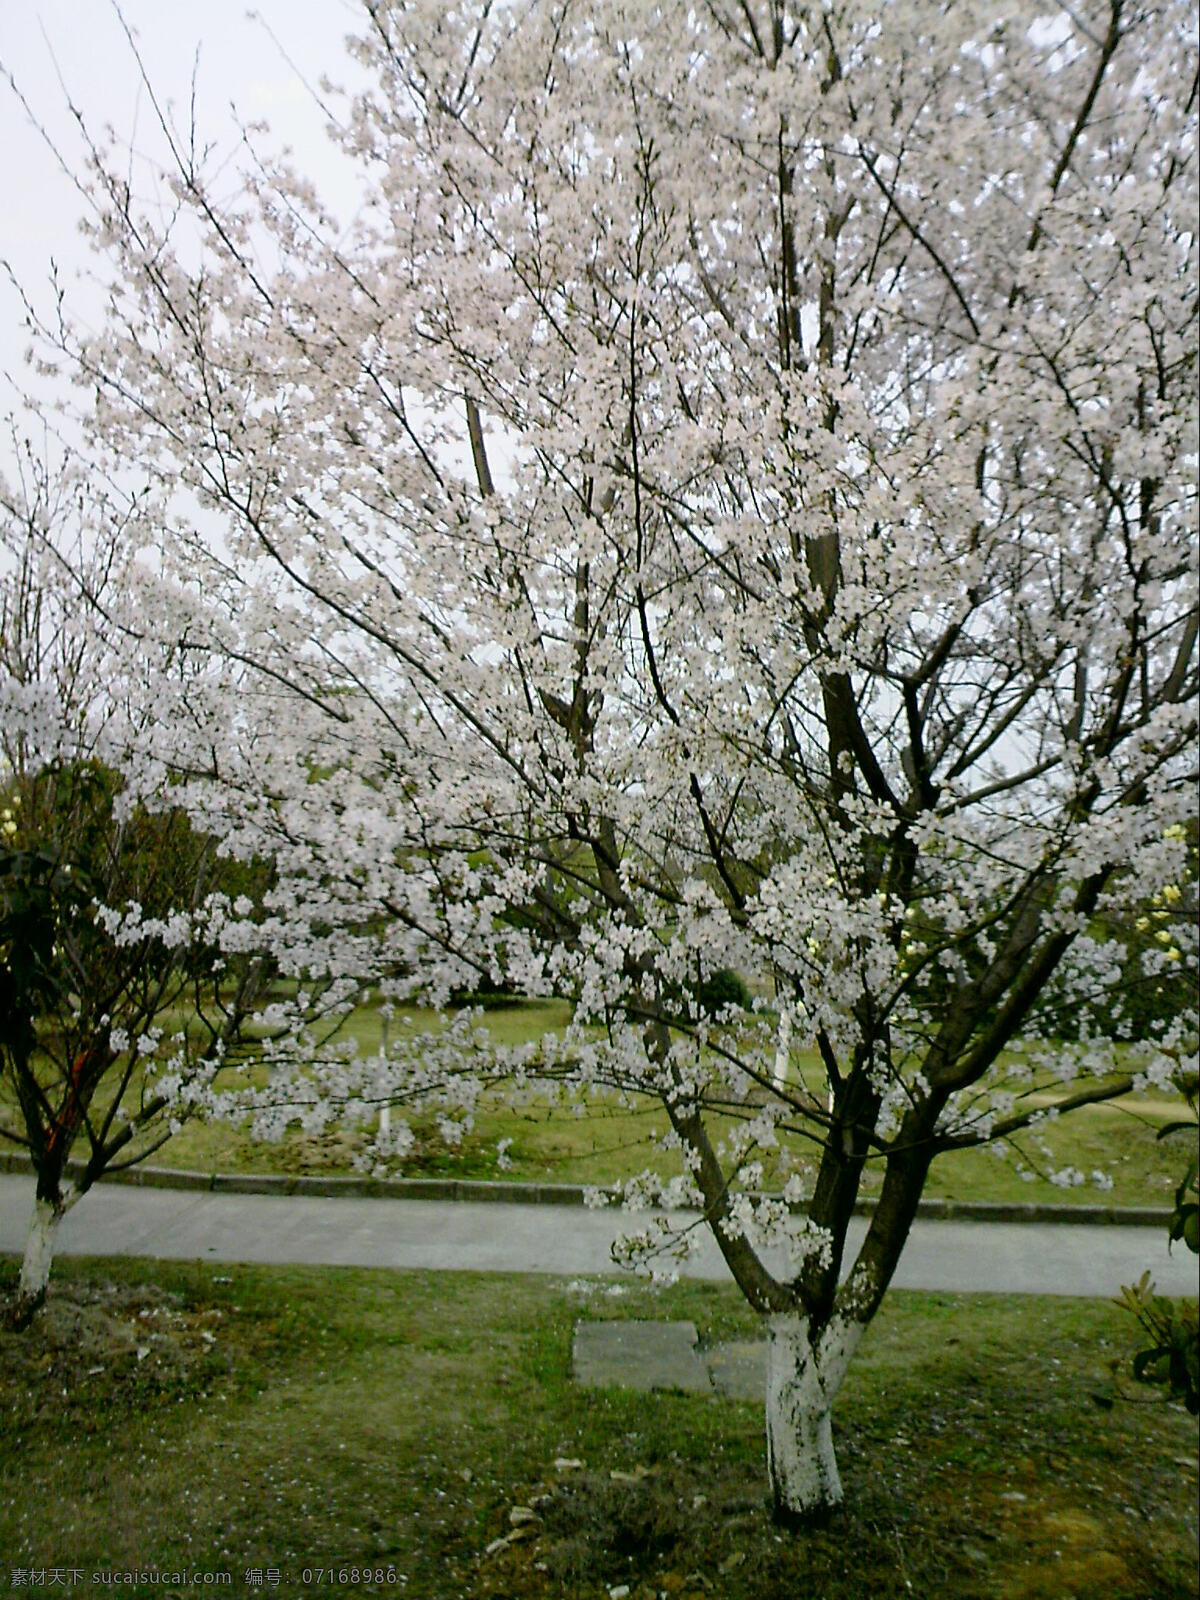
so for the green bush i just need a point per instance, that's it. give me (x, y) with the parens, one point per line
(724, 988)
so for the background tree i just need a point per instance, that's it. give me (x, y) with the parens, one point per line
(135, 960)
(728, 502)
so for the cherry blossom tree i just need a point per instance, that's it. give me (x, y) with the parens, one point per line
(727, 502)
(136, 959)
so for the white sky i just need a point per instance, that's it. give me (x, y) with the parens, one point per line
(82, 43)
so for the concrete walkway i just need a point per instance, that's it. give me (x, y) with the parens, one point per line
(174, 1224)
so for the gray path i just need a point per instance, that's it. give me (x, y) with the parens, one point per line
(1015, 1258)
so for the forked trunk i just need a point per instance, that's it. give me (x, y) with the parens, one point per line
(38, 1259)
(803, 1376)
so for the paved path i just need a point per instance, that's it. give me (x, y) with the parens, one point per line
(966, 1257)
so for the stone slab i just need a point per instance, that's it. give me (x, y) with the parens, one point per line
(639, 1355)
(666, 1355)
(738, 1371)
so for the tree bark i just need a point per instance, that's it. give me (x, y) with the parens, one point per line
(804, 1371)
(39, 1257)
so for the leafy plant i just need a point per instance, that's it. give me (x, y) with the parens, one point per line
(724, 988)
(1185, 1224)
(1173, 1355)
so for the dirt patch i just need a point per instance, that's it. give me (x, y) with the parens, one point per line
(100, 1347)
(666, 1529)
(689, 1530)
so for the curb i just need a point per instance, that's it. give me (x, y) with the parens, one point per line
(567, 1194)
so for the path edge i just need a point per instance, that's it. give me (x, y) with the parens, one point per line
(480, 1190)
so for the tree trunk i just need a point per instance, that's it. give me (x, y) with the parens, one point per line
(39, 1256)
(803, 1376)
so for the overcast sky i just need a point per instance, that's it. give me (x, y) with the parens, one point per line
(76, 49)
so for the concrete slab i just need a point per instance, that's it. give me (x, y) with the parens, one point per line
(666, 1355)
(738, 1371)
(639, 1355)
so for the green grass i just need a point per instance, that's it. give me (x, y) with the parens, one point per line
(610, 1141)
(303, 1418)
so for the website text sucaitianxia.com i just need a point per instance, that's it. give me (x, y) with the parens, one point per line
(267, 1577)
(117, 1577)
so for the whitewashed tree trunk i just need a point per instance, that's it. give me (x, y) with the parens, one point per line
(783, 1049)
(801, 1384)
(39, 1255)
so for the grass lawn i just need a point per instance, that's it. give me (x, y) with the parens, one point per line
(608, 1142)
(302, 1418)
(551, 1144)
